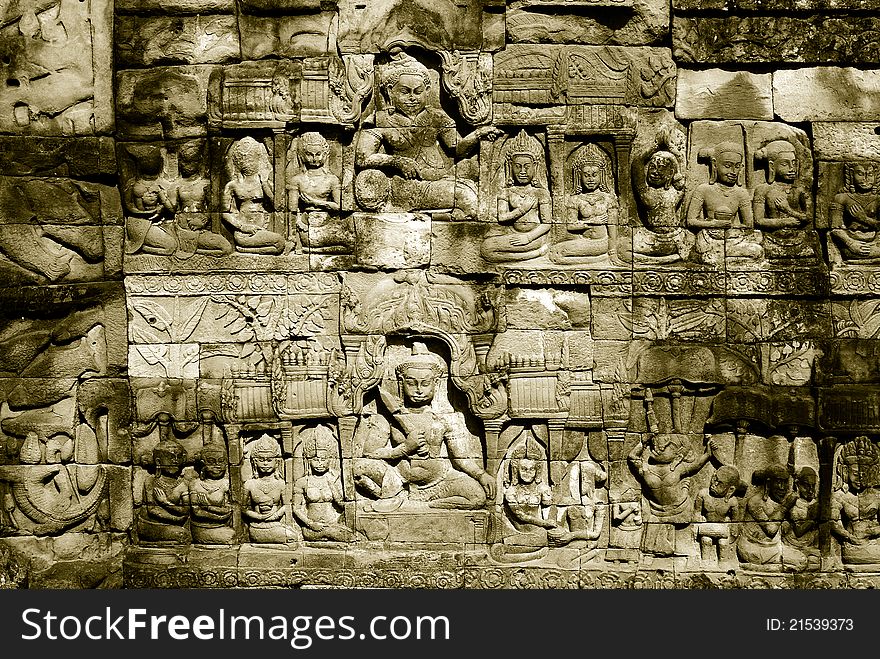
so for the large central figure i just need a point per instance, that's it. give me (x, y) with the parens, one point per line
(422, 454)
(410, 144)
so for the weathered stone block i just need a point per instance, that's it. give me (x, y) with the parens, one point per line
(147, 41)
(636, 23)
(827, 94)
(57, 68)
(720, 94)
(813, 39)
(846, 140)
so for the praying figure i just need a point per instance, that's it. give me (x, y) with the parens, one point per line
(524, 206)
(264, 506)
(781, 206)
(315, 195)
(210, 500)
(855, 504)
(592, 209)
(149, 209)
(248, 199)
(165, 511)
(855, 214)
(722, 210)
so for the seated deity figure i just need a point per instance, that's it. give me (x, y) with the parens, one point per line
(317, 496)
(165, 511)
(801, 527)
(781, 206)
(189, 200)
(248, 199)
(315, 194)
(264, 506)
(660, 187)
(855, 214)
(149, 209)
(525, 212)
(424, 454)
(411, 143)
(592, 209)
(715, 511)
(210, 499)
(722, 211)
(760, 541)
(855, 509)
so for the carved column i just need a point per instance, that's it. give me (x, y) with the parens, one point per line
(556, 146)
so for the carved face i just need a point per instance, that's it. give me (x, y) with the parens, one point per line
(528, 470)
(523, 169)
(786, 166)
(806, 487)
(777, 488)
(665, 449)
(320, 462)
(728, 165)
(263, 464)
(409, 94)
(590, 177)
(860, 474)
(419, 385)
(659, 171)
(717, 488)
(864, 177)
(215, 465)
(312, 155)
(169, 465)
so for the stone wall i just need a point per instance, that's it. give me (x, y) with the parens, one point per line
(414, 293)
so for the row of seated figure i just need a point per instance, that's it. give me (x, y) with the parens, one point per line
(775, 527)
(170, 217)
(176, 508)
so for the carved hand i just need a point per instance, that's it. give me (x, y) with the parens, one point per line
(407, 167)
(488, 484)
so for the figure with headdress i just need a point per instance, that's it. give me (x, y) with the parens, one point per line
(659, 184)
(422, 454)
(248, 199)
(210, 500)
(855, 213)
(525, 211)
(801, 527)
(416, 146)
(189, 199)
(165, 511)
(591, 211)
(317, 496)
(722, 210)
(855, 505)
(264, 505)
(663, 463)
(315, 194)
(781, 205)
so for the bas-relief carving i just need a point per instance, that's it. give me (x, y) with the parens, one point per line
(385, 404)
